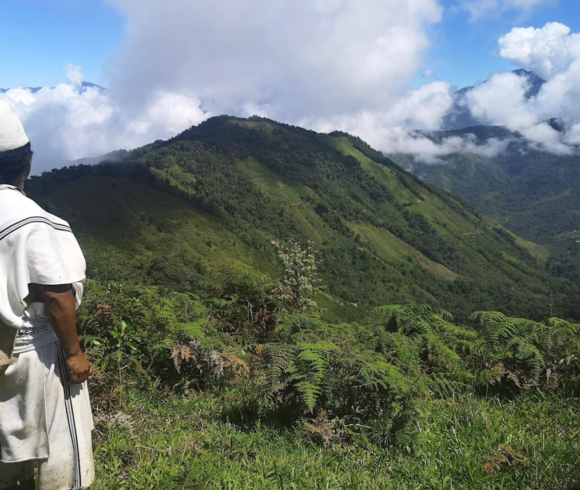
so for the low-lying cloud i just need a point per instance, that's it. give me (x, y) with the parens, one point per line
(69, 121)
(553, 53)
(185, 60)
(323, 64)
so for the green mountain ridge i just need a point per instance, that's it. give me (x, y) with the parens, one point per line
(536, 194)
(533, 192)
(222, 196)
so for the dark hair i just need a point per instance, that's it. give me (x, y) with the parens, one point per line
(13, 163)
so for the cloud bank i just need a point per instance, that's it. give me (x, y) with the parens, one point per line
(69, 121)
(314, 62)
(553, 53)
(322, 64)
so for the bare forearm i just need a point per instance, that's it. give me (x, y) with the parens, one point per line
(61, 311)
(60, 307)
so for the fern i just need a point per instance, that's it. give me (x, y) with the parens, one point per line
(308, 369)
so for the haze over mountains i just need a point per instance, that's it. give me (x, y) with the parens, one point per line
(83, 86)
(529, 189)
(363, 92)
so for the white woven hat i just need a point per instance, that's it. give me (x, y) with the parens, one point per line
(12, 133)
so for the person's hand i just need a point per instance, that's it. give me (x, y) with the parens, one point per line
(79, 367)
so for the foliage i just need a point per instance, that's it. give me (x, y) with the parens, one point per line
(466, 442)
(300, 282)
(526, 353)
(400, 388)
(528, 190)
(265, 362)
(213, 369)
(219, 198)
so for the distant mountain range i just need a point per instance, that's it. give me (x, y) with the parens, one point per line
(535, 194)
(82, 87)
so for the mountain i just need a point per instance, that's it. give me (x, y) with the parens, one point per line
(460, 117)
(112, 156)
(223, 196)
(535, 194)
(83, 86)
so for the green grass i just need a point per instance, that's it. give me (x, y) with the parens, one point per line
(175, 443)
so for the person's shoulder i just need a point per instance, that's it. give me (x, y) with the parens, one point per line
(17, 206)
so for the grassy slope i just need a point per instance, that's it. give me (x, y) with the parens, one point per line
(535, 194)
(221, 196)
(157, 231)
(176, 443)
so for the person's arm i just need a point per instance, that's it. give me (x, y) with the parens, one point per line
(61, 309)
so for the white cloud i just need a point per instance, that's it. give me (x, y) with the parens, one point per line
(398, 130)
(552, 52)
(323, 64)
(307, 58)
(501, 101)
(310, 61)
(546, 51)
(64, 122)
(75, 74)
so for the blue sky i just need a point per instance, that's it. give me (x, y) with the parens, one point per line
(464, 52)
(350, 65)
(38, 37)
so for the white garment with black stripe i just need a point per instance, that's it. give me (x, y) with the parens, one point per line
(35, 247)
(54, 423)
(43, 419)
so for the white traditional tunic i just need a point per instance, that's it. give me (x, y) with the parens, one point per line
(43, 419)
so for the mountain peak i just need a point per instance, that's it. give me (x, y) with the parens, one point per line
(460, 116)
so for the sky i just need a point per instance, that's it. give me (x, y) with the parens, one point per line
(380, 69)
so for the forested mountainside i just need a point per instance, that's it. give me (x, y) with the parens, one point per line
(535, 194)
(222, 196)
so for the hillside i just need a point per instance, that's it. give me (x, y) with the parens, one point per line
(222, 196)
(535, 194)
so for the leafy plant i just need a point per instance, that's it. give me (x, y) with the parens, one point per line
(300, 281)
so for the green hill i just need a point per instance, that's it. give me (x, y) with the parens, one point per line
(222, 196)
(535, 194)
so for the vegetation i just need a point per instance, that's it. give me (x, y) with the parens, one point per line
(269, 308)
(535, 194)
(234, 388)
(222, 195)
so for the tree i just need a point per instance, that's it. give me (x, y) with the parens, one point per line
(300, 281)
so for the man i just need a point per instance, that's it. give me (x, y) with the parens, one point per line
(45, 415)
